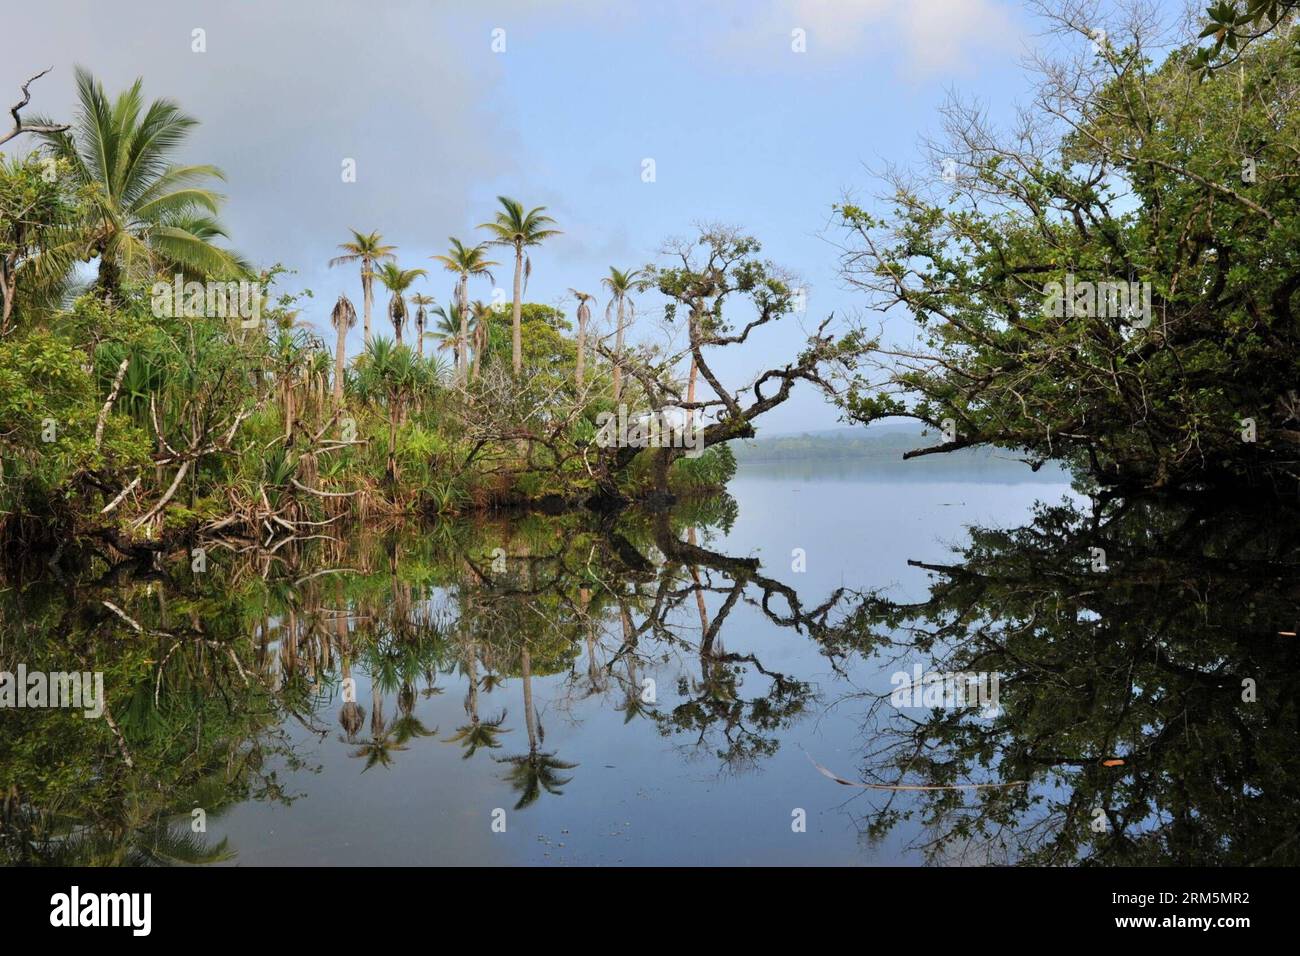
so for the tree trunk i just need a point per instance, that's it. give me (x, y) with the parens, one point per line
(471, 700)
(580, 372)
(339, 356)
(392, 445)
(618, 353)
(462, 351)
(481, 337)
(517, 335)
(690, 394)
(530, 716)
(366, 294)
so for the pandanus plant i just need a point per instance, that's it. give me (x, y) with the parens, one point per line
(394, 374)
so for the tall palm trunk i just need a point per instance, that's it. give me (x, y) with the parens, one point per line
(530, 716)
(472, 700)
(618, 352)
(376, 709)
(367, 293)
(580, 371)
(392, 445)
(482, 335)
(516, 333)
(690, 394)
(462, 350)
(339, 356)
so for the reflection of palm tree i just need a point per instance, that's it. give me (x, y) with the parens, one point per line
(533, 772)
(407, 726)
(479, 733)
(383, 742)
(351, 714)
(595, 679)
(633, 705)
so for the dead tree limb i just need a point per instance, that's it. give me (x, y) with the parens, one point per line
(14, 110)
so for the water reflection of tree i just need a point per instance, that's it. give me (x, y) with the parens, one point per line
(1142, 663)
(1146, 662)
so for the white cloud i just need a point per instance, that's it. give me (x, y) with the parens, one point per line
(927, 35)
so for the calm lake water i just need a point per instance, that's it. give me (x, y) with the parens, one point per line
(679, 689)
(636, 795)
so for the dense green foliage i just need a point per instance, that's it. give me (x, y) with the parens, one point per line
(1179, 186)
(181, 391)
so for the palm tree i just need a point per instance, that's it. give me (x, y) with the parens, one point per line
(447, 332)
(584, 316)
(343, 318)
(421, 303)
(620, 285)
(465, 261)
(146, 214)
(397, 280)
(368, 250)
(480, 331)
(518, 229)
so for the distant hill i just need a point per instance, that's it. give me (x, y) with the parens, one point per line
(881, 446)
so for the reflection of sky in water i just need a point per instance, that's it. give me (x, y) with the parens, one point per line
(639, 797)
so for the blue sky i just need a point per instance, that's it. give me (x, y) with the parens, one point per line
(741, 128)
